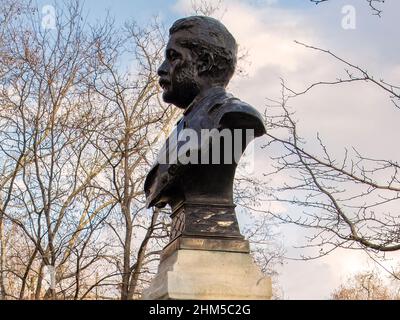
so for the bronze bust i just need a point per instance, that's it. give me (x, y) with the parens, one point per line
(200, 60)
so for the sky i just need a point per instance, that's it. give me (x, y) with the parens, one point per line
(354, 115)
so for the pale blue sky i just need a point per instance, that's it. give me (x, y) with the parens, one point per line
(324, 16)
(122, 10)
(143, 10)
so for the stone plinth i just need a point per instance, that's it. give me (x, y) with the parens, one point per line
(208, 275)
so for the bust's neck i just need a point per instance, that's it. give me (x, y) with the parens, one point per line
(206, 93)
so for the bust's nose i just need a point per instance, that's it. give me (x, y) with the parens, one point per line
(163, 69)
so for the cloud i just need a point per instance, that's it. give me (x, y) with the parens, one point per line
(267, 33)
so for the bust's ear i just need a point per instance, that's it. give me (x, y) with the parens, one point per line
(205, 62)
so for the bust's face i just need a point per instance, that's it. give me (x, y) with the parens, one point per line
(178, 73)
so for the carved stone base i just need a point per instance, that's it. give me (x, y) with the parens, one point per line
(208, 275)
(199, 220)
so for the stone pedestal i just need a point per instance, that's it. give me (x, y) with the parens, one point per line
(208, 269)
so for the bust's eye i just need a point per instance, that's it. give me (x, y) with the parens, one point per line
(172, 55)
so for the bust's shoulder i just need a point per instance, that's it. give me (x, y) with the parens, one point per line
(231, 112)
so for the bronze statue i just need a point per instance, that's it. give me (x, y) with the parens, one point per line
(200, 60)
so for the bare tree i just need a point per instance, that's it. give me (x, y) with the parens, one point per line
(207, 7)
(80, 123)
(348, 202)
(128, 146)
(47, 164)
(67, 117)
(373, 4)
(368, 285)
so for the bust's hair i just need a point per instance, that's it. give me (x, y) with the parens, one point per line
(210, 35)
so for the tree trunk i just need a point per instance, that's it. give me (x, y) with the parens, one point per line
(2, 260)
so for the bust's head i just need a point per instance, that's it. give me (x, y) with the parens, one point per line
(201, 53)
